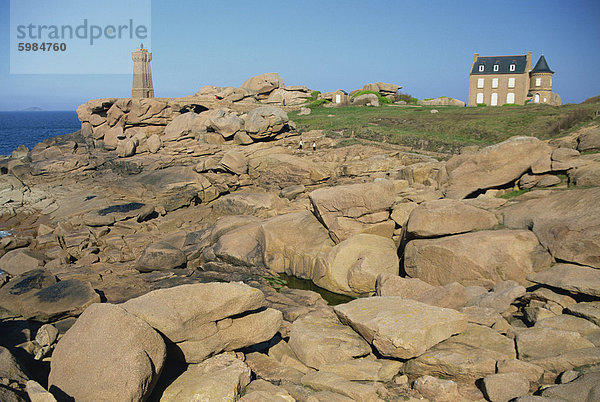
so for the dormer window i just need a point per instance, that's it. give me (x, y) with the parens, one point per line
(512, 67)
(496, 67)
(481, 67)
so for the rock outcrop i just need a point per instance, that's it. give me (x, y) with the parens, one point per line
(479, 258)
(211, 318)
(176, 233)
(400, 328)
(493, 166)
(103, 337)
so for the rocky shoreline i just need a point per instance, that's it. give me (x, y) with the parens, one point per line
(146, 249)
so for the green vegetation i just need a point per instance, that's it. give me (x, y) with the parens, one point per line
(313, 96)
(317, 103)
(276, 282)
(514, 193)
(481, 105)
(347, 142)
(382, 99)
(450, 129)
(407, 98)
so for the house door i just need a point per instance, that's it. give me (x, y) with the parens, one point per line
(537, 98)
(494, 101)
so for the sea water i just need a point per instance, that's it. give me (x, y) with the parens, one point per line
(29, 128)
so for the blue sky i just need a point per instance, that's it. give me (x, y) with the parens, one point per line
(425, 46)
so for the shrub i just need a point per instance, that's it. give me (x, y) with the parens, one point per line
(407, 98)
(313, 96)
(481, 105)
(382, 99)
(317, 103)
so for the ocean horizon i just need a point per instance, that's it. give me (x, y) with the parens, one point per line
(31, 127)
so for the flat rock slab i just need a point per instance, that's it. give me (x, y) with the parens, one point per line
(65, 298)
(459, 362)
(493, 166)
(588, 310)
(318, 339)
(23, 286)
(500, 298)
(567, 223)
(505, 386)
(573, 278)
(479, 336)
(479, 258)
(568, 322)
(207, 318)
(269, 369)
(160, 256)
(400, 327)
(447, 216)
(584, 388)
(537, 343)
(568, 360)
(21, 260)
(220, 378)
(323, 381)
(366, 369)
(37, 295)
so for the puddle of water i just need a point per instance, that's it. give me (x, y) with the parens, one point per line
(5, 233)
(332, 299)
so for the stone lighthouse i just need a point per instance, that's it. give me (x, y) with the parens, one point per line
(142, 75)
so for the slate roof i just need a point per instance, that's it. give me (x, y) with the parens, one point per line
(542, 66)
(503, 62)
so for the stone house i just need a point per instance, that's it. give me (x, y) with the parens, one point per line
(500, 80)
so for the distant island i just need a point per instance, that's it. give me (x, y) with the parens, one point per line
(33, 109)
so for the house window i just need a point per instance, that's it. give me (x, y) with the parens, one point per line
(512, 67)
(495, 83)
(496, 67)
(481, 67)
(480, 98)
(510, 98)
(480, 83)
(494, 101)
(511, 82)
(538, 82)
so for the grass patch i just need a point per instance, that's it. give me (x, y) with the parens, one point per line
(347, 142)
(514, 193)
(452, 127)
